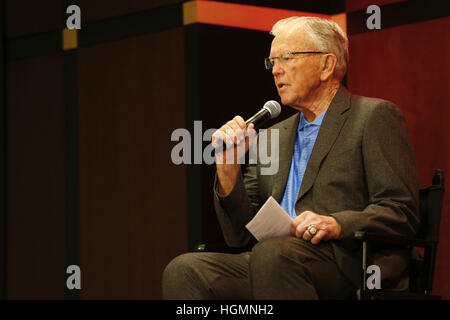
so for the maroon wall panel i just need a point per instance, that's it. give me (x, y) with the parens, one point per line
(35, 179)
(132, 198)
(25, 16)
(410, 66)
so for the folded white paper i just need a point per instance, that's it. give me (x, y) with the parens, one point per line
(270, 221)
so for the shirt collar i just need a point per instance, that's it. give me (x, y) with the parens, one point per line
(317, 122)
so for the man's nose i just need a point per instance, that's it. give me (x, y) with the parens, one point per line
(276, 68)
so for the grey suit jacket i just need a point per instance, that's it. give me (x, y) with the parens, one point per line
(362, 171)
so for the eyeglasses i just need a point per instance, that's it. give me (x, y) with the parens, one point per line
(285, 58)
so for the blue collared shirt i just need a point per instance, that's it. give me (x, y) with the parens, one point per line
(306, 137)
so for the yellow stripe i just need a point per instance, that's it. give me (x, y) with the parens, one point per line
(70, 39)
(189, 12)
(243, 16)
(341, 20)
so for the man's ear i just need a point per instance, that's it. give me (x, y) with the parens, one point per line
(328, 65)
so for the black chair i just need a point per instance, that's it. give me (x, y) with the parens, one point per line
(421, 269)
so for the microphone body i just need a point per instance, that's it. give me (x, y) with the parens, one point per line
(271, 110)
(259, 118)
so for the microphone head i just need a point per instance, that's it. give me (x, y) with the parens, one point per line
(273, 107)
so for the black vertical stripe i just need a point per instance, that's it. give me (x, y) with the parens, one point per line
(71, 177)
(2, 154)
(72, 216)
(194, 172)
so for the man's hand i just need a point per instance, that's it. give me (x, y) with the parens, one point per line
(235, 134)
(327, 227)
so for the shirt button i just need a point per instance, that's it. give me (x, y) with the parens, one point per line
(304, 157)
(306, 140)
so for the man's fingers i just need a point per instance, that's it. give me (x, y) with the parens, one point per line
(293, 229)
(306, 235)
(303, 233)
(233, 124)
(327, 227)
(297, 220)
(294, 225)
(228, 135)
(234, 132)
(240, 122)
(300, 231)
(236, 129)
(218, 137)
(318, 236)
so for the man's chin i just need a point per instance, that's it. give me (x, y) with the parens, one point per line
(294, 104)
(286, 101)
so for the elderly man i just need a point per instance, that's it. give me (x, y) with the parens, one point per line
(345, 164)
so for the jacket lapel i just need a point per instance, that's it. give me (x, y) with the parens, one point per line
(329, 131)
(288, 133)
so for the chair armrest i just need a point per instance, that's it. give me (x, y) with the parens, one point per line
(219, 248)
(390, 239)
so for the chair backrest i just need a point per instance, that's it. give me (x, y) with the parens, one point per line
(431, 199)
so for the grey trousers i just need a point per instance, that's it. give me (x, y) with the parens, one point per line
(279, 268)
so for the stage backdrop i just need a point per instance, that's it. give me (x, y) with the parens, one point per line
(89, 117)
(410, 66)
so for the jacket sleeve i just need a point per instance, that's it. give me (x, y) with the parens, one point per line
(238, 208)
(391, 177)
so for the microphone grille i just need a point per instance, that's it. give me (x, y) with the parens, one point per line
(273, 107)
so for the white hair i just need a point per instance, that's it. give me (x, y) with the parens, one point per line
(325, 35)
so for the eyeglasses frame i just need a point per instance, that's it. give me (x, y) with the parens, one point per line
(269, 65)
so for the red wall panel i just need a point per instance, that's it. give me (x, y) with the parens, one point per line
(26, 17)
(409, 65)
(35, 179)
(132, 197)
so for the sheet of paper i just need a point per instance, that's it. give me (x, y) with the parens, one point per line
(270, 221)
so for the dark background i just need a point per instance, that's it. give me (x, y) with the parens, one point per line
(86, 173)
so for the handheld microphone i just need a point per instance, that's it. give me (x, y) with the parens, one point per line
(270, 110)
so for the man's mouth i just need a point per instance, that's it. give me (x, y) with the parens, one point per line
(281, 85)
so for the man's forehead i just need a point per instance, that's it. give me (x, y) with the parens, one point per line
(297, 41)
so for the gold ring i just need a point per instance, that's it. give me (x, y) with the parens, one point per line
(312, 230)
